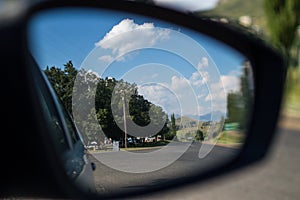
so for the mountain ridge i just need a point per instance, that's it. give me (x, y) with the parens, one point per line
(203, 118)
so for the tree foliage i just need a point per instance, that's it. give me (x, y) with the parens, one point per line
(239, 103)
(173, 125)
(102, 101)
(63, 81)
(200, 135)
(283, 17)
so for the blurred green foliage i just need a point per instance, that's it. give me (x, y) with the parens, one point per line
(283, 18)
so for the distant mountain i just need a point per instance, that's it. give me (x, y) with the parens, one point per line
(208, 117)
(187, 122)
(185, 119)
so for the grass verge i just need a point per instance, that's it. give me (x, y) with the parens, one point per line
(231, 138)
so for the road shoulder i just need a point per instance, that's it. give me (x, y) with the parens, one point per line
(288, 121)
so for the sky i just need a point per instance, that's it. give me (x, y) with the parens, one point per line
(184, 72)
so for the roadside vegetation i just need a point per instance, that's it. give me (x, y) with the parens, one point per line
(232, 138)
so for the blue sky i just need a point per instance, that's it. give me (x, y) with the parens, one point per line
(120, 45)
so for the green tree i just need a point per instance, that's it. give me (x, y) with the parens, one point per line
(96, 99)
(246, 81)
(173, 125)
(139, 110)
(234, 107)
(283, 17)
(158, 116)
(199, 135)
(165, 130)
(63, 82)
(84, 111)
(239, 103)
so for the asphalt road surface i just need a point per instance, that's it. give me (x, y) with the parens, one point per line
(109, 180)
(277, 177)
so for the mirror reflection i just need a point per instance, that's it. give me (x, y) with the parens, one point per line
(151, 101)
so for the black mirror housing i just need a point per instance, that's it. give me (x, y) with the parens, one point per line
(46, 167)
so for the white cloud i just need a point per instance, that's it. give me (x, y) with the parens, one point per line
(106, 58)
(203, 63)
(184, 96)
(155, 75)
(200, 92)
(188, 5)
(230, 83)
(201, 76)
(179, 83)
(160, 95)
(177, 96)
(219, 90)
(127, 36)
(197, 94)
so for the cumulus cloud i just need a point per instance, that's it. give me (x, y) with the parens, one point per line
(204, 63)
(183, 96)
(219, 90)
(162, 95)
(201, 76)
(179, 83)
(230, 83)
(194, 95)
(211, 90)
(106, 58)
(127, 36)
(176, 96)
(186, 94)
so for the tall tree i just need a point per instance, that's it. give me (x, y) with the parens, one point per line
(246, 81)
(165, 130)
(235, 107)
(173, 125)
(70, 75)
(239, 103)
(63, 81)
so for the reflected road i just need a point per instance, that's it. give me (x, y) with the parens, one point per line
(109, 180)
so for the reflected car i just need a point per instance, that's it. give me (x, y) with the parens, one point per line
(65, 135)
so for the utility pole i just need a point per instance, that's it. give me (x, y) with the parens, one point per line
(124, 117)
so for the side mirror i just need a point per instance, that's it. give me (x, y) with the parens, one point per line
(185, 98)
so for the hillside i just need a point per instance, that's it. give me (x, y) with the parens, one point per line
(187, 127)
(187, 122)
(234, 9)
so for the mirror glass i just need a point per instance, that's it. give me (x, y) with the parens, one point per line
(152, 101)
